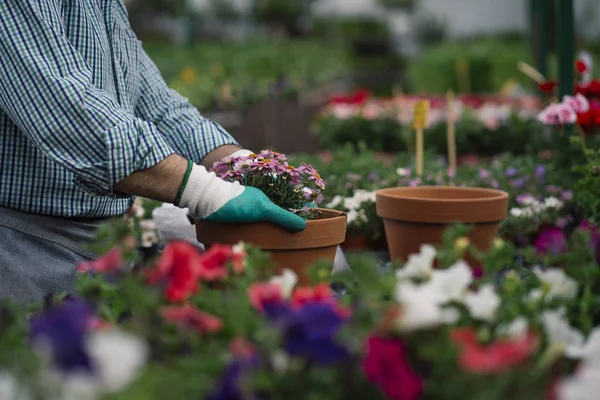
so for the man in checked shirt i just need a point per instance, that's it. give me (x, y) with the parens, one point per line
(86, 124)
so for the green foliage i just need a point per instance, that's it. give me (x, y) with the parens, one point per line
(491, 64)
(237, 75)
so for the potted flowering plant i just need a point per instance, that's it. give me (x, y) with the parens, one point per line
(297, 189)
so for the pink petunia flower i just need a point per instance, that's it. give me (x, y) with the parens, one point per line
(558, 114)
(578, 103)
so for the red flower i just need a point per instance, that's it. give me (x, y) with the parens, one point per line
(188, 316)
(357, 98)
(261, 294)
(581, 66)
(179, 266)
(321, 293)
(110, 263)
(385, 364)
(590, 90)
(494, 358)
(214, 263)
(548, 86)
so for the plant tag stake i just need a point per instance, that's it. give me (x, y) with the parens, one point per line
(451, 133)
(420, 112)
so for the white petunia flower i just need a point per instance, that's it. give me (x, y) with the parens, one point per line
(117, 356)
(418, 265)
(451, 284)
(483, 305)
(516, 329)
(516, 212)
(420, 308)
(403, 172)
(584, 385)
(553, 202)
(558, 283)
(561, 333)
(336, 202)
(286, 281)
(10, 388)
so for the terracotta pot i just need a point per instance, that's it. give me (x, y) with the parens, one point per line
(355, 242)
(413, 216)
(296, 251)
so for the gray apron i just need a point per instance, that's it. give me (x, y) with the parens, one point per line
(40, 254)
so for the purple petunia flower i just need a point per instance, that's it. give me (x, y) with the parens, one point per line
(309, 331)
(510, 172)
(484, 173)
(552, 240)
(518, 183)
(525, 198)
(229, 384)
(495, 184)
(540, 171)
(552, 189)
(567, 195)
(373, 176)
(63, 329)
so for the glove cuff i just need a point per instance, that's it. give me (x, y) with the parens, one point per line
(205, 193)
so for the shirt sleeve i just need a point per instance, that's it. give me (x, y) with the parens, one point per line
(46, 89)
(182, 125)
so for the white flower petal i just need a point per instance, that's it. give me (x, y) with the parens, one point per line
(483, 304)
(118, 357)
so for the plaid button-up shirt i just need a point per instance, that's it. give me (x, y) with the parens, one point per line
(82, 106)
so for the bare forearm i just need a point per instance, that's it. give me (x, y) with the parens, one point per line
(218, 154)
(161, 182)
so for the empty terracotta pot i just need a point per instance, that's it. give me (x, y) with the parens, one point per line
(295, 251)
(413, 216)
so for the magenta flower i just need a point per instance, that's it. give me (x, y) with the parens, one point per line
(579, 103)
(551, 240)
(558, 114)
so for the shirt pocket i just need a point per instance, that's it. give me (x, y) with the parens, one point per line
(126, 49)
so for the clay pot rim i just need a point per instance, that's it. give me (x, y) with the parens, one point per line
(327, 231)
(397, 193)
(401, 204)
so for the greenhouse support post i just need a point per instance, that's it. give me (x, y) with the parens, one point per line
(565, 40)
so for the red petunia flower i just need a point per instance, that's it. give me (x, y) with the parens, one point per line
(357, 98)
(188, 316)
(320, 293)
(589, 90)
(179, 266)
(214, 263)
(548, 86)
(581, 66)
(110, 263)
(386, 365)
(494, 358)
(261, 294)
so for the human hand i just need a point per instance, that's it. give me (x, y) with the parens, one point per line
(216, 200)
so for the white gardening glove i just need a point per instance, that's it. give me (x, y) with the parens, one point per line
(213, 199)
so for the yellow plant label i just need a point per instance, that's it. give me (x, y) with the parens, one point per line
(420, 111)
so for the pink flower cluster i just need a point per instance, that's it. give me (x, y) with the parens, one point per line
(270, 172)
(565, 112)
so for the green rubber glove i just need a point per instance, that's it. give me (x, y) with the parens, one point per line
(212, 199)
(254, 206)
